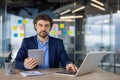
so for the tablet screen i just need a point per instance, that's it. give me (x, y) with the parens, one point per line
(38, 54)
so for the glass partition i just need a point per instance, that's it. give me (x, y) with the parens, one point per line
(99, 33)
(0, 33)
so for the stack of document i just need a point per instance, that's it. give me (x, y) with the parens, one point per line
(31, 73)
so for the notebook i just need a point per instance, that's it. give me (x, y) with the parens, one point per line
(38, 54)
(89, 64)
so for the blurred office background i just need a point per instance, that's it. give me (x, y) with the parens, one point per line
(84, 26)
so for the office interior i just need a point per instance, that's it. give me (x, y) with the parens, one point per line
(83, 25)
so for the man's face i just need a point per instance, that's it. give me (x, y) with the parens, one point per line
(43, 28)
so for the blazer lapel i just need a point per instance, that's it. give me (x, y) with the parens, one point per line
(51, 52)
(35, 42)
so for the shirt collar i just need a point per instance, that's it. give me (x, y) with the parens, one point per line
(38, 40)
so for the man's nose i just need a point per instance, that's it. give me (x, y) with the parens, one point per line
(43, 28)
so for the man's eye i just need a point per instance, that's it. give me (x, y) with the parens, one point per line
(40, 25)
(47, 25)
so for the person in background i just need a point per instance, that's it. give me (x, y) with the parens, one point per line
(54, 51)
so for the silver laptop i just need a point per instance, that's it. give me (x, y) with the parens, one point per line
(89, 64)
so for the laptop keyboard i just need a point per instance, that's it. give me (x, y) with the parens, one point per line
(67, 72)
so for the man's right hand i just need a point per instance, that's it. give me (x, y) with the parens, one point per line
(30, 63)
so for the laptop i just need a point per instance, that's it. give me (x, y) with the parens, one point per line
(37, 54)
(89, 64)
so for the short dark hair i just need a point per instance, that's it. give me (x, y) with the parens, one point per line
(43, 17)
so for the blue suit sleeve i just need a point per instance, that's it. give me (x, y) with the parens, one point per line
(21, 55)
(63, 56)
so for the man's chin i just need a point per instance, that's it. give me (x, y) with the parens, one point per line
(43, 36)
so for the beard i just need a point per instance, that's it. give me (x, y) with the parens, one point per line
(43, 34)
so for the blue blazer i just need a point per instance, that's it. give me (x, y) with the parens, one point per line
(57, 53)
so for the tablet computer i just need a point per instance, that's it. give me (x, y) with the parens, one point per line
(37, 54)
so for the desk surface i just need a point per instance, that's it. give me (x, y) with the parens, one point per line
(97, 75)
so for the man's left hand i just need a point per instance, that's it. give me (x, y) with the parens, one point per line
(72, 67)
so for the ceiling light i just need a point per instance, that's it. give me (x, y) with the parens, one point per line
(118, 11)
(67, 17)
(98, 2)
(63, 8)
(78, 9)
(99, 7)
(66, 11)
(67, 20)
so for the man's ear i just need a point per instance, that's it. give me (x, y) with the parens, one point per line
(50, 29)
(35, 27)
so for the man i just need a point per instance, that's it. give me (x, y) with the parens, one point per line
(54, 51)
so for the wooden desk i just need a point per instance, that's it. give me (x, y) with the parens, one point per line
(97, 75)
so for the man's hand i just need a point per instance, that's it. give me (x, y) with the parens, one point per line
(30, 63)
(72, 67)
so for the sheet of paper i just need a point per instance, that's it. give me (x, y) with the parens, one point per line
(31, 73)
